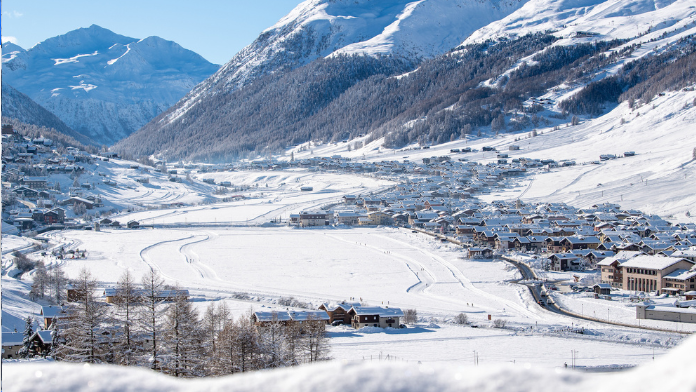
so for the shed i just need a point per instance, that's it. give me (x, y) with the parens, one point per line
(602, 288)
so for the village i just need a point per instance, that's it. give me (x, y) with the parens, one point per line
(616, 252)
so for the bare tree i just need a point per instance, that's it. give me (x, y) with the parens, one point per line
(461, 318)
(84, 330)
(182, 339)
(41, 281)
(58, 282)
(127, 301)
(150, 317)
(410, 316)
(314, 340)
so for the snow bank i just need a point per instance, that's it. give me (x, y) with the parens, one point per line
(672, 372)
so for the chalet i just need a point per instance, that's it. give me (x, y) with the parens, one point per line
(479, 253)
(506, 241)
(375, 316)
(579, 242)
(77, 200)
(56, 215)
(109, 294)
(266, 318)
(350, 199)
(51, 313)
(602, 288)
(679, 281)
(465, 230)
(304, 316)
(34, 182)
(421, 217)
(26, 192)
(337, 313)
(133, 224)
(43, 341)
(565, 262)
(347, 217)
(380, 218)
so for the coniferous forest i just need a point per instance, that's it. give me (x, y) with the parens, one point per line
(342, 97)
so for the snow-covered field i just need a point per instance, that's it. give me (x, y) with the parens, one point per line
(377, 265)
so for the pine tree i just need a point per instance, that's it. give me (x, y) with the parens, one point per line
(28, 349)
(150, 316)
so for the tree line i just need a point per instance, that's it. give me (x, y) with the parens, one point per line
(141, 328)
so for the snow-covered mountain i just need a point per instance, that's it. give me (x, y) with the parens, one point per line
(103, 84)
(317, 43)
(320, 28)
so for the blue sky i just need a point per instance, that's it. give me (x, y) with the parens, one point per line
(215, 29)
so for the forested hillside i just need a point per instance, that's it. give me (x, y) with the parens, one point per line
(478, 87)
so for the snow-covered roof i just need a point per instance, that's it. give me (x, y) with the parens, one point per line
(652, 262)
(621, 257)
(12, 338)
(378, 310)
(681, 274)
(304, 315)
(272, 316)
(50, 311)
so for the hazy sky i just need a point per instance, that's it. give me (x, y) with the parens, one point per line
(215, 29)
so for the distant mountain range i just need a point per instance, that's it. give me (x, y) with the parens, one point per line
(101, 84)
(423, 71)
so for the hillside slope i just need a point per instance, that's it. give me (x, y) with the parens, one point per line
(272, 96)
(20, 107)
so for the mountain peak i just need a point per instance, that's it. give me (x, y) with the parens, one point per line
(104, 84)
(82, 41)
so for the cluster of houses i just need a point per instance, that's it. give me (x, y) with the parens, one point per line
(442, 202)
(12, 342)
(33, 203)
(355, 315)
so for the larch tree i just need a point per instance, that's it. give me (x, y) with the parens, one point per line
(57, 282)
(41, 281)
(85, 331)
(314, 341)
(150, 316)
(127, 300)
(182, 339)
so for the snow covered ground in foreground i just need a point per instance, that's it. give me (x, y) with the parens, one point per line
(672, 372)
